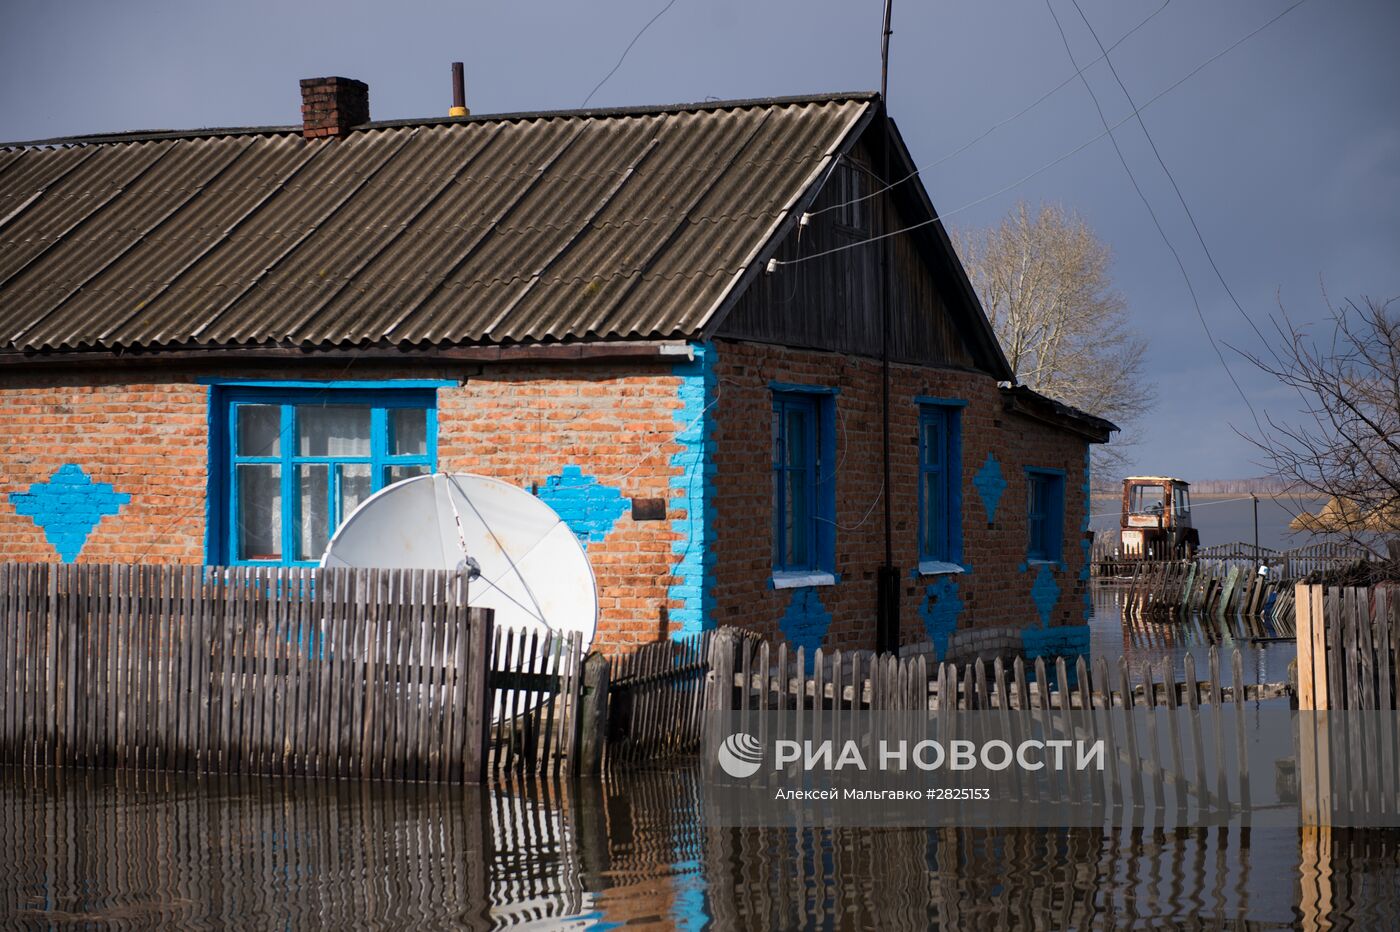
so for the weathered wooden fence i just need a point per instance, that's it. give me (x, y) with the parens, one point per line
(536, 686)
(659, 711)
(1263, 602)
(749, 677)
(1283, 565)
(1348, 662)
(375, 674)
(656, 699)
(750, 674)
(1348, 648)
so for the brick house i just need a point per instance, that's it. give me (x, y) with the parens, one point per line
(665, 321)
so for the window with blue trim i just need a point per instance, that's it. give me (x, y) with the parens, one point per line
(940, 484)
(804, 482)
(293, 464)
(1045, 509)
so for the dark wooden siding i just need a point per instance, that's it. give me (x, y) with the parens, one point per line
(833, 303)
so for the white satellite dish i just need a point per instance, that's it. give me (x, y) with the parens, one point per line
(534, 571)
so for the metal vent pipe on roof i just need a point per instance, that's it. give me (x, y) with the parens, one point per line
(459, 92)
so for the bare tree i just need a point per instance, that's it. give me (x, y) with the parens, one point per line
(1043, 280)
(1345, 447)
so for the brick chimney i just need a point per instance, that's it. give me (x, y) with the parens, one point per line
(330, 106)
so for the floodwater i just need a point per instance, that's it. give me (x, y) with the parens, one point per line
(82, 848)
(1144, 641)
(141, 851)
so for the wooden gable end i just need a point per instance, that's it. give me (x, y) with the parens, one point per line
(833, 301)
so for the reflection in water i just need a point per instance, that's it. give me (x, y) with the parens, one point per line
(1154, 640)
(139, 851)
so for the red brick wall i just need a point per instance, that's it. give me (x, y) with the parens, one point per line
(997, 591)
(147, 436)
(524, 423)
(146, 433)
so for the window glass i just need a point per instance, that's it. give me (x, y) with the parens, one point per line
(333, 430)
(408, 432)
(1147, 500)
(803, 497)
(260, 511)
(282, 502)
(394, 474)
(1045, 514)
(354, 487)
(259, 430)
(313, 488)
(940, 519)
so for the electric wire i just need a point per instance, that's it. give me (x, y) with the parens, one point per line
(1156, 221)
(1180, 196)
(623, 56)
(996, 126)
(1049, 165)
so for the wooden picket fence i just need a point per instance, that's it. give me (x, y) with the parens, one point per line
(750, 677)
(748, 674)
(372, 674)
(1348, 648)
(1284, 565)
(536, 685)
(656, 699)
(1348, 662)
(1184, 587)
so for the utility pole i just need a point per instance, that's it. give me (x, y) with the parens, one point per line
(887, 580)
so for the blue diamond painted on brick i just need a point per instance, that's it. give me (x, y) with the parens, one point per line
(940, 610)
(805, 622)
(68, 507)
(990, 483)
(588, 507)
(1045, 592)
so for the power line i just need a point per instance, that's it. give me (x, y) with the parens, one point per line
(996, 126)
(1170, 177)
(1049, 165)
(623, 56)
(1156, 221)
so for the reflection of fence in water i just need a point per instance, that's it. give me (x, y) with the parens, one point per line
(143, 849)
(978, 878)
(160, 849)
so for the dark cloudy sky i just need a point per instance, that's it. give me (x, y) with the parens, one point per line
(1287, 148)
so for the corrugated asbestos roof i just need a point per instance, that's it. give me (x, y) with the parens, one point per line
(520, 228)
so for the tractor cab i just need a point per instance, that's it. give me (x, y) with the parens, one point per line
(1156, 522)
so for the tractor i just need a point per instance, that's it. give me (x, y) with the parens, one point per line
(1156, 521)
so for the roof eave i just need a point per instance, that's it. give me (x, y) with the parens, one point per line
(1029, 403)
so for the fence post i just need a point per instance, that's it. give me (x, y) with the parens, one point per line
(719, 685)
(1313, 757)
(719, 682)
(593, 720)
(478, 701)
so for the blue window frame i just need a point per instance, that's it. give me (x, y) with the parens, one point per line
(804, 481)
(289, 465)
(940, 482)
(1045, 510)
